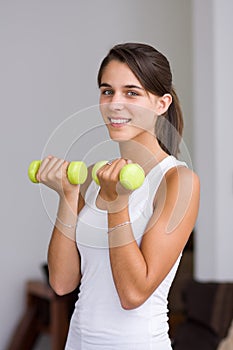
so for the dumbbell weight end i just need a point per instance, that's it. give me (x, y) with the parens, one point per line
(132, 176)
(77, 172)
(33, 169)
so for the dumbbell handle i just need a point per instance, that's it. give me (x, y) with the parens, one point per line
(131, 175)
(76, 172)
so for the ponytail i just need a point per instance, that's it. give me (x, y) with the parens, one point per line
(169, 127)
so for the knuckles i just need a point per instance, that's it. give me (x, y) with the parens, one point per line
(49, 172)
(111, 172)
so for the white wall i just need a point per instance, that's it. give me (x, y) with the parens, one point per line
(224, 139)
(50, 53)
(213, 76)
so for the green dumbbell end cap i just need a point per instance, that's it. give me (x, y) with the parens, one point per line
(132, 176)
(77, 173)
(33, 169)
(95, 168)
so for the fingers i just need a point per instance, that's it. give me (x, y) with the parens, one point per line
(51, 168)
(110, 171)
(112, 196)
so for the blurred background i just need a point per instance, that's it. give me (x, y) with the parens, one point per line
(50, 55)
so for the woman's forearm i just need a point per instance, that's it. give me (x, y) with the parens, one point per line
(63, 256)
(128, 265)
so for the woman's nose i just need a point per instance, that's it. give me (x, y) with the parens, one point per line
(116, 103)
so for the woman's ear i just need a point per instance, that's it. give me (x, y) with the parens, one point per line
(164, 103)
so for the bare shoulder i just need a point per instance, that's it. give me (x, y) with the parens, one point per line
(178, 178)
(183, 177)
(177, 198)
(182, 187)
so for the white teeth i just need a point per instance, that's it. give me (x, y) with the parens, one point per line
(119, 121)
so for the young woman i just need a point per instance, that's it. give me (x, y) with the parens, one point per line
(124, 247)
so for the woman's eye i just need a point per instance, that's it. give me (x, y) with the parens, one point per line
(132, 93)
(107, 92)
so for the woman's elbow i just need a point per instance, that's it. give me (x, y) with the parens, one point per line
(58, 288)
(62, 289)
(132, 302)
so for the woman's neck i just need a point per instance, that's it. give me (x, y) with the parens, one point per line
(147, 153)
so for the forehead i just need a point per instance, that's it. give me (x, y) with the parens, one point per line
(119, 73)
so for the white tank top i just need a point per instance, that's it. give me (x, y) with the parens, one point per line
(99, 322)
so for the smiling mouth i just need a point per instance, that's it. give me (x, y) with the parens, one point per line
(118, 122)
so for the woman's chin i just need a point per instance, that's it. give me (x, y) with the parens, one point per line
(124, 133)
(119, 139)
(119, 136)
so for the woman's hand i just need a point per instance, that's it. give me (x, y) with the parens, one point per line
(112, 192)
(53, 173)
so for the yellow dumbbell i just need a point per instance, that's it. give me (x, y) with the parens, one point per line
(131, 175)
(76, 172)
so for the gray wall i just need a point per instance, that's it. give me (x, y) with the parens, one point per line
(50, 53)
(213, 124)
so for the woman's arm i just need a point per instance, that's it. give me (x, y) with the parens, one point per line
(138, 271)
(63, 256)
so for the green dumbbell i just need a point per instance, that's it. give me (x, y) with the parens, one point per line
(131, 175)
(76, 172)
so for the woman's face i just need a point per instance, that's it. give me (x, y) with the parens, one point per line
(127, 108)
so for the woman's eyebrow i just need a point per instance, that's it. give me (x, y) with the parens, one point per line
(104, 85)
(133, 87)
(129, 86)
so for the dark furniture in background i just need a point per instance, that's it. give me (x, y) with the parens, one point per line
(208, 309)
(45, 312)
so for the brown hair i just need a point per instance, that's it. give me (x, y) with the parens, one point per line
(153, 71)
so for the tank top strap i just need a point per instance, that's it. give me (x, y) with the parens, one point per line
(162, 168)
(155, 176)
